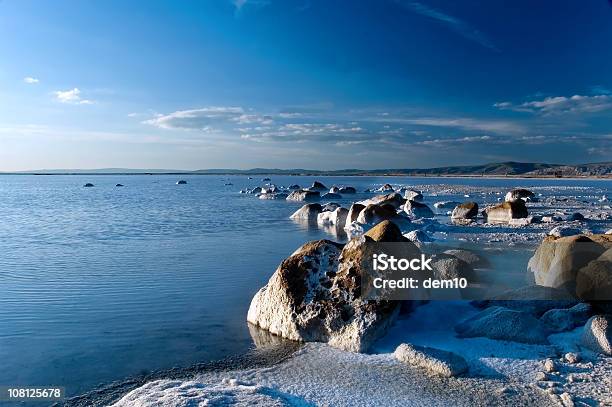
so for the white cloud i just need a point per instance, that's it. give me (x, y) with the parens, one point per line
(30, 80)
(493, 126)
(561, 105)
(72, 96)
(202, 119)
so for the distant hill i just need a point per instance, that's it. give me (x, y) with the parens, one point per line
(509, 168)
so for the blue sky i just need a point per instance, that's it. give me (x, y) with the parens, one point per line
(310, 84)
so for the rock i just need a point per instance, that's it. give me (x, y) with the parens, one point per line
(504, 212)
(466, 210)
(469, 257)
(308, 212)
(354, 212)
(316, 294)
(561, 320)
(566, 399)
(445, 204)
(330, 195)
(265, 179)
(436, 361)
(347, 190)
(334, 190)
(503, 324)
(273, 195)
(317, 186)
(330, 206)
(549, 366)
(534, 300)
(303, 195)
(575, 216)
(572, 357)
(523, 221)
(394, 199)
(256, 190)
(179, 182)
(118, 185)
(418, 236)
(519, 193)
(294, 187)
(418, 210)
(448, 267)
(557, 260)
(335, 218)
(373, 214)
(594, 281)
(541, 376)
(597, 334)
(563, 231)
(386, 188)
(413, 195)
(88, 185)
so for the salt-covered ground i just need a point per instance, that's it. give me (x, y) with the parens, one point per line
(501, 373)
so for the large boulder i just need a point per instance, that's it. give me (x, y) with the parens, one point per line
(273, 195)
(594, 281)
(413, 195)
(373, 214)
(336, 218)
(354, 212)
(317, 186)
(466, 210)
(597, 334)
(303, 195)
(394, 199)
(347, 190)
(557, 260)
(432, 360)
(386, 188)
(503, 324)
(418, 210)
(505, 212)
(316, 294)
(519, 193)
(561, 320)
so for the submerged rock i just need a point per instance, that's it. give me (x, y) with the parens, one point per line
(503, 324)
(347, 190)
(505, 212)
(315, 294)
(534, 299)
(294, 187)
(331, 195)
(308, 212)
(273, 195)
(317, 186)
(519, 193)
(181, 182)
(597, 334)
(303, 195)
(466, 210)
(436, 361)
(418, 210)
(88, 185)
(469, 257)
(118, 185)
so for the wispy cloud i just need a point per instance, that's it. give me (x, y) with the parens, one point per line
(561, 105)
(72, 96)
(465, 123)
(30, 80)
(456, 24)
(208, 118)
(240, 4)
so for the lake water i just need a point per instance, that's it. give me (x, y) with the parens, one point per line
(98, 284)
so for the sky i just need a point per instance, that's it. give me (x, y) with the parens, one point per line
(311, 84)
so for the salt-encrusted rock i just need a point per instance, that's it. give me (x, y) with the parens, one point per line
(466, 210)
(386, 188)
(469, 257)
(503, 324)
(330, 195)
(418, 236)
(446, 204)
(561, 320)
(594, 281)
(317, 186)
(436, 361)
(354, 212)
(534, 300)
(563, 231)
(413, 195)
(418, 210)
(273, 195)
(597, 334)
(446, 266)
(394, 199)
(329, 206)
(308, 212)
(303, 195)
(504, 212)
(316, 294)
(347, 190)
(519, 193)
(557, 260)
(335, 218)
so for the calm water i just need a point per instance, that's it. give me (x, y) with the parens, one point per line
(97, 284)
